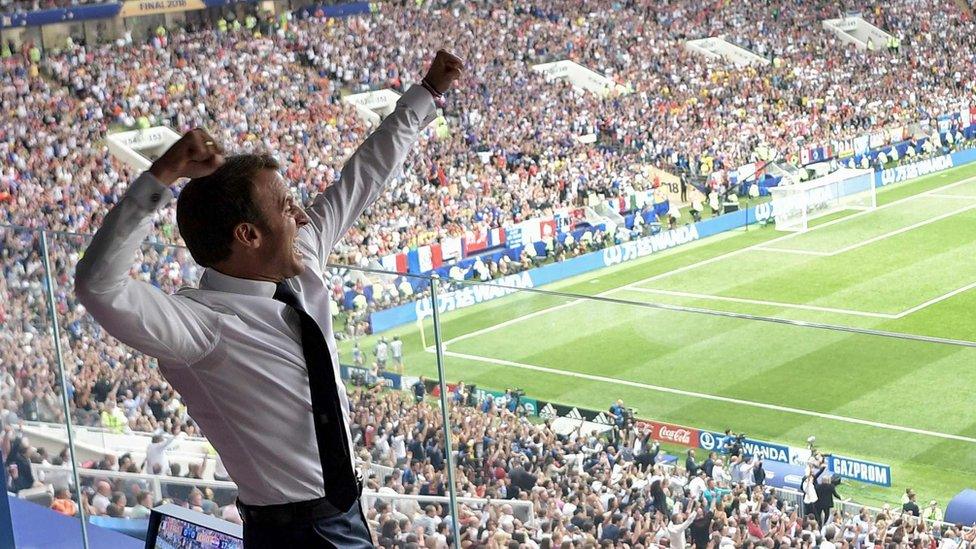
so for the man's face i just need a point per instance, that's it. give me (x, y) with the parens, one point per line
(283, 217)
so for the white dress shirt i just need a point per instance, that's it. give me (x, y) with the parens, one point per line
(232, 351)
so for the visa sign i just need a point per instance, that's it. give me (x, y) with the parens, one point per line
(861, 471)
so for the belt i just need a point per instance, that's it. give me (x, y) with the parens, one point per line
(284, 514)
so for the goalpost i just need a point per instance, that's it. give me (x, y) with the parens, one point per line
(794, 206)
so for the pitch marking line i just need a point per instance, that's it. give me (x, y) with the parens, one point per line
(935, 300)
(708, 261)
(794, 251)
(763, 302)
(953, 196)
(878, 238)
(718, 398)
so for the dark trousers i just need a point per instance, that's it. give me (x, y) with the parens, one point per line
(823, 513)
(346, 530)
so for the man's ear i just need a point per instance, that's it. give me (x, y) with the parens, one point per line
(247, 235)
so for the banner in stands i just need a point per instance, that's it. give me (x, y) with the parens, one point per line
(472, 295)
(133, 8)
(664, 240)
(913, 170)
(859, 470)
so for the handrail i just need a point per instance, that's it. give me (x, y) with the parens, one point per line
(528, 510)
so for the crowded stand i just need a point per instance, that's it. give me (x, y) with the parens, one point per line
(513, 152)
(582, 488)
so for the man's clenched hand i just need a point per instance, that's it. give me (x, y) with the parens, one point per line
(444, 70)
(196, 154)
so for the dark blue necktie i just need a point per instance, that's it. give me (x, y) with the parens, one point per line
(341, 488)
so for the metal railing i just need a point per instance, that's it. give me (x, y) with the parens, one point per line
(59, 477)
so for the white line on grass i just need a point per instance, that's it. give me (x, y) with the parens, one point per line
(793, 251)
(789, 236)
(953, 196)
(763, 302)
(706, 396)
(903, 230)
(935, 300)
(708, 261)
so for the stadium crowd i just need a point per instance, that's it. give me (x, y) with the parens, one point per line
(513, 152)
(575, 489)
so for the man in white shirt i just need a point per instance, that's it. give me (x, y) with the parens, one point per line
(157, 463)
(251, 351)
(102, 497)
(697, 485)
(679, 523)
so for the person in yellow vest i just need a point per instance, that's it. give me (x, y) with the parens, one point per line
(222, 25)
(236, 25)
(161, 32)
(5, 52)
(250, 22)
(113, 418)
(870, 44)
(34, 54)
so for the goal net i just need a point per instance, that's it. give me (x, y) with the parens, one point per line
(794, 206)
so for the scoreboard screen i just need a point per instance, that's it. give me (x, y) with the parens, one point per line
(173, 527)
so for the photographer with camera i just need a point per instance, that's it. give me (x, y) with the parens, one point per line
(513, 398)
(732, 443)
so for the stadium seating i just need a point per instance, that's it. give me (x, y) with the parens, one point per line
(513, 152)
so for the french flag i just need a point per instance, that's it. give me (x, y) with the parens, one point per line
(496, 237)
(429, 257)
(394, 262)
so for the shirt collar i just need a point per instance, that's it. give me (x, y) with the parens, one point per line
(213, 279)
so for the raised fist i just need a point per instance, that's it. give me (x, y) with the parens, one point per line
(196, 154)
(444, 70)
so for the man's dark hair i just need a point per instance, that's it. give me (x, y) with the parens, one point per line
(210, 207)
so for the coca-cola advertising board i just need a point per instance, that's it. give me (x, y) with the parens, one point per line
(670, 433)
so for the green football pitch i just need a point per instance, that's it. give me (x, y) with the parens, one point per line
(899, 390)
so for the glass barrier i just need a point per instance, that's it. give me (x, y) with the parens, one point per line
(124, 409)
(32, 398)
(581, 396)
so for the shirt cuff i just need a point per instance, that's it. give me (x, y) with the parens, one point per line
(420, 101)
(147, 192)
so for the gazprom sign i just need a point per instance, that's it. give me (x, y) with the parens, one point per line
(861, 471)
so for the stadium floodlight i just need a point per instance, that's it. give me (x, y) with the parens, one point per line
(794, 206)
(139, 148)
